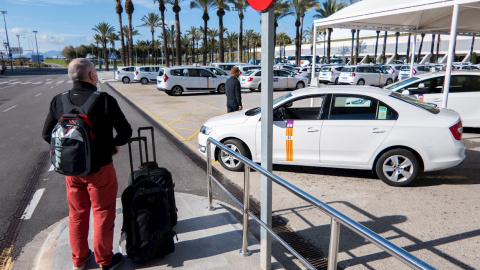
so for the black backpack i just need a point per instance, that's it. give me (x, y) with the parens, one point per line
(147, 220)
(72, 138)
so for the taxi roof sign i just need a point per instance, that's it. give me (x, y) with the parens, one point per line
(261, 5)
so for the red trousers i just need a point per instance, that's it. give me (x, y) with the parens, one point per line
(97, 191)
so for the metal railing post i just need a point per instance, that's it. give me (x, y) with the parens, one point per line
(246, 206)
(209, 178)
(333, 249)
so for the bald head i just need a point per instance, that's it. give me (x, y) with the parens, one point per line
(81, 69)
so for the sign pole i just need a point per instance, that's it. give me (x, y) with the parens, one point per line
(268, 50)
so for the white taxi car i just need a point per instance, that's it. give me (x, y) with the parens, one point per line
(281, 80)
(145, 74)
(124, 74)
(366, 128)
(330, 74)
(365, 75)
(176, 80)
(463, 97)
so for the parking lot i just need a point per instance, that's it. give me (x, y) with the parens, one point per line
(436, 220)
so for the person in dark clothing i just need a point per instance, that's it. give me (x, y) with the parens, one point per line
(97, 190)
(233, 91)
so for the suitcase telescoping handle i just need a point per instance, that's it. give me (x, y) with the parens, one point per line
(153, 143)
(135, 139)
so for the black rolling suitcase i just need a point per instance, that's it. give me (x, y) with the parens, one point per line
(148, 203)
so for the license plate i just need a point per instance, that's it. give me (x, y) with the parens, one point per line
(344, 78)
(243, 79)
(324, 74)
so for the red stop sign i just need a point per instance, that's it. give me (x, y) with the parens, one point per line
(261, 5)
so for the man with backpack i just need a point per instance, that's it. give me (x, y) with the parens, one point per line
(96, 186)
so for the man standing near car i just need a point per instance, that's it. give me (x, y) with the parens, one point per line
(233, 91)
(97, 190)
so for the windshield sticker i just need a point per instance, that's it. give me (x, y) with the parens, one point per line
(289, 140)
(382, 113)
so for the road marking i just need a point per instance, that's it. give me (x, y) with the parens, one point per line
(49, 82)
(9, 108)
(51, 168)
(33, 204)
(38, 94)
(59, 82)
(51, 87)
(37, 83)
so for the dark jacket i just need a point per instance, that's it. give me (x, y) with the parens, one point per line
(233, 91)
(105, 116)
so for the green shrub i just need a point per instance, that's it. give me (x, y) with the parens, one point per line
(474, 58)
(367, 59)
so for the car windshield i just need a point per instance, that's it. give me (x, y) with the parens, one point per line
(257, 110)
(401, 83)
(248, 73)
(348, 69)
(415, 102)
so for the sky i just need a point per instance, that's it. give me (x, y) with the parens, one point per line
(65, 22)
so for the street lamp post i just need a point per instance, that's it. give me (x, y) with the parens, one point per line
(38, 56)
(8, 43)
(19, 47)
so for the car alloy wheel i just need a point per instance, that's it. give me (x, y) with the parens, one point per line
(126, 80)
(229, 162)
(176, 90)
(144, 81)
(300, 85)
(389, 81)
(397, 167)
(221, 89)
(361, 82)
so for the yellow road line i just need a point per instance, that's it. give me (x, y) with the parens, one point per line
(190, 113)
(176, 107)
(185, 128)
(195, 134)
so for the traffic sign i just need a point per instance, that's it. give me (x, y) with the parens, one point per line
(16, 50)
(37, 58)
(261, 5)
(112, 55)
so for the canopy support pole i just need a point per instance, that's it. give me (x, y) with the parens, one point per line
(413, 54)
(451, 45)
(314, 80)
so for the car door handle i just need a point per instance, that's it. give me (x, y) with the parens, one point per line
(378, 130)
(312, 129)
(437, 100)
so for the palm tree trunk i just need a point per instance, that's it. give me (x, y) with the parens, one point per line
(204, 60)
(105, 59)
(177, 37)
(164, 34)
(153, 48)
(384, 51)
(220, 38)
(357, 49)
(122, 38)
(130, 50)
(330, 30)
(351, 51)
(297, 42)
(240, 37)
(376, 47)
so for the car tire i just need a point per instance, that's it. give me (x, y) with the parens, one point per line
(397, 167)
(251, 89)
(177, 90)
(361, 82)
(228, 162)
(260, 88)
(126, 80)
(336, 81)
(300, 85)
(396, 79)
(144, 81)
(389, 81)
(221, 89)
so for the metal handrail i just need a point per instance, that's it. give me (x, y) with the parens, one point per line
(337, 218)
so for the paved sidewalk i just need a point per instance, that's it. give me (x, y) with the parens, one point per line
(206, 240)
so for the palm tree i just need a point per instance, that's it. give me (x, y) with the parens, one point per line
(98, 39)
(112, 37)
(198, 35)
(221, 6)
(384, 51)
(305, 6)
(161, 7)
(171, 38)
(281, 11)
(119, 11)
(185, 41)
(328, 8)
(212, 32)
(256, 42)
(151, 20)
(126, 33)
(240, 6)
(206, 6)
(248, 39)
(176, 8)
(104, 29)
(283, 39)
(231, 41)
(129, 8)
(193, 34)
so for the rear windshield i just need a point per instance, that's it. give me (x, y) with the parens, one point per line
(326, 69)
(401, 83)
(405, 68)
(161, 72)
(415, 102)
(248, 73)
(348, 69)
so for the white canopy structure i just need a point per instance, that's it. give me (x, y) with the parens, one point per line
(452, 17)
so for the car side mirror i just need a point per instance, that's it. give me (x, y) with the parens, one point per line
(406, 92)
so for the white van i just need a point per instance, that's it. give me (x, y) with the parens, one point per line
(125, 74)
(145, 74)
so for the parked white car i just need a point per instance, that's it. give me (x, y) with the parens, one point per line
(330, 74)
(224, 66)
(464, 95)
(176, 80)
(125, 74)
(394, 70)
(417, 70)
(281, 80)
(145, 74)
(366, 128)
(217, 71)
(365, 75)
(245, 68)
